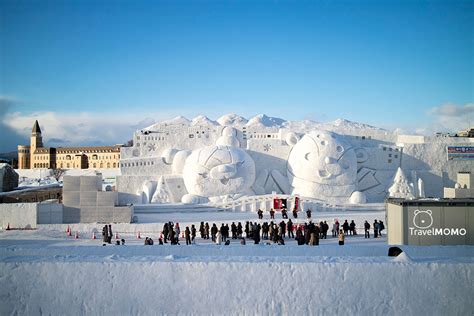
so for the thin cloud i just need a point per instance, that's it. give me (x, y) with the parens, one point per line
(453, 110)
(451, 117)
(74, 129)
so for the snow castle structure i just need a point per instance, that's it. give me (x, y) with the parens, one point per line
(342, 162)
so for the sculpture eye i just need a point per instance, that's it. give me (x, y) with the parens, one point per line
(307, 156)
(204, 175)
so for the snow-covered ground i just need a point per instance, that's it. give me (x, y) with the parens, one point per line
(46, 272)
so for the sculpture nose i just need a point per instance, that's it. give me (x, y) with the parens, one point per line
(226, 171)
(334, 168)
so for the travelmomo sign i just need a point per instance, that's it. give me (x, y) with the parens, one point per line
(460, 152)
(423, 225)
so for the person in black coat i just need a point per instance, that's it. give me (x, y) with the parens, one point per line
(307, 232)
(345, 227)
(206, 231)
(256, 233)
(381, 227)
(299, 237)
(352, 228)
(239, 230)
(105, 235)
(213, 232)
(202, 230)
(223, 233)
(325, 230)
(367, 229)
(109, 234)
(233, 229)
(173, 240)
(187, 235)
(290, 229)
(193, 233)
(165, 232)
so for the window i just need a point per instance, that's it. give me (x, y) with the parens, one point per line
(390, 149)
(108, 165)
(390, 161)
(396, 156)
(94, 157)
(390, 155)
(115, 165)
(94, 165)
(385, 148)
(102, 165)
(191, 135)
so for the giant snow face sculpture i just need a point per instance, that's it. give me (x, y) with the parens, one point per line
(218, 173)
(323, 166)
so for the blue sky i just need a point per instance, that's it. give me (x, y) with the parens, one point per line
(387, 63)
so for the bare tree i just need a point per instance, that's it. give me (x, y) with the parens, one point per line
(58, 173)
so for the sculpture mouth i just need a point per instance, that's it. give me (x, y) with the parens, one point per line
(225, 181)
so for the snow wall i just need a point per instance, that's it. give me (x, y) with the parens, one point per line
(246, 288)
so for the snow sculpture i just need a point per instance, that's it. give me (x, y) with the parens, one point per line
(214, 173)
(162, 194)
(148, 188)
(401, 188)
(228, 138)
(323, 166)
(218, 173)
(358, 197)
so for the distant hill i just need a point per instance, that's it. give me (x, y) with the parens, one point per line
(9, 156)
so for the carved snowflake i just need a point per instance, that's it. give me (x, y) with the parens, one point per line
(151, 147)
(267, 147)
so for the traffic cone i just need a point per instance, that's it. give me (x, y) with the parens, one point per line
(116, 235)
(182, 235)
(68, 230)
(138, 236)
(93, 235)
(8, 226)
(76, 236)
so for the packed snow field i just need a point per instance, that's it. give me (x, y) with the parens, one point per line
(46, 272)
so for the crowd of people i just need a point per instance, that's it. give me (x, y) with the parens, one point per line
(307, 233)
